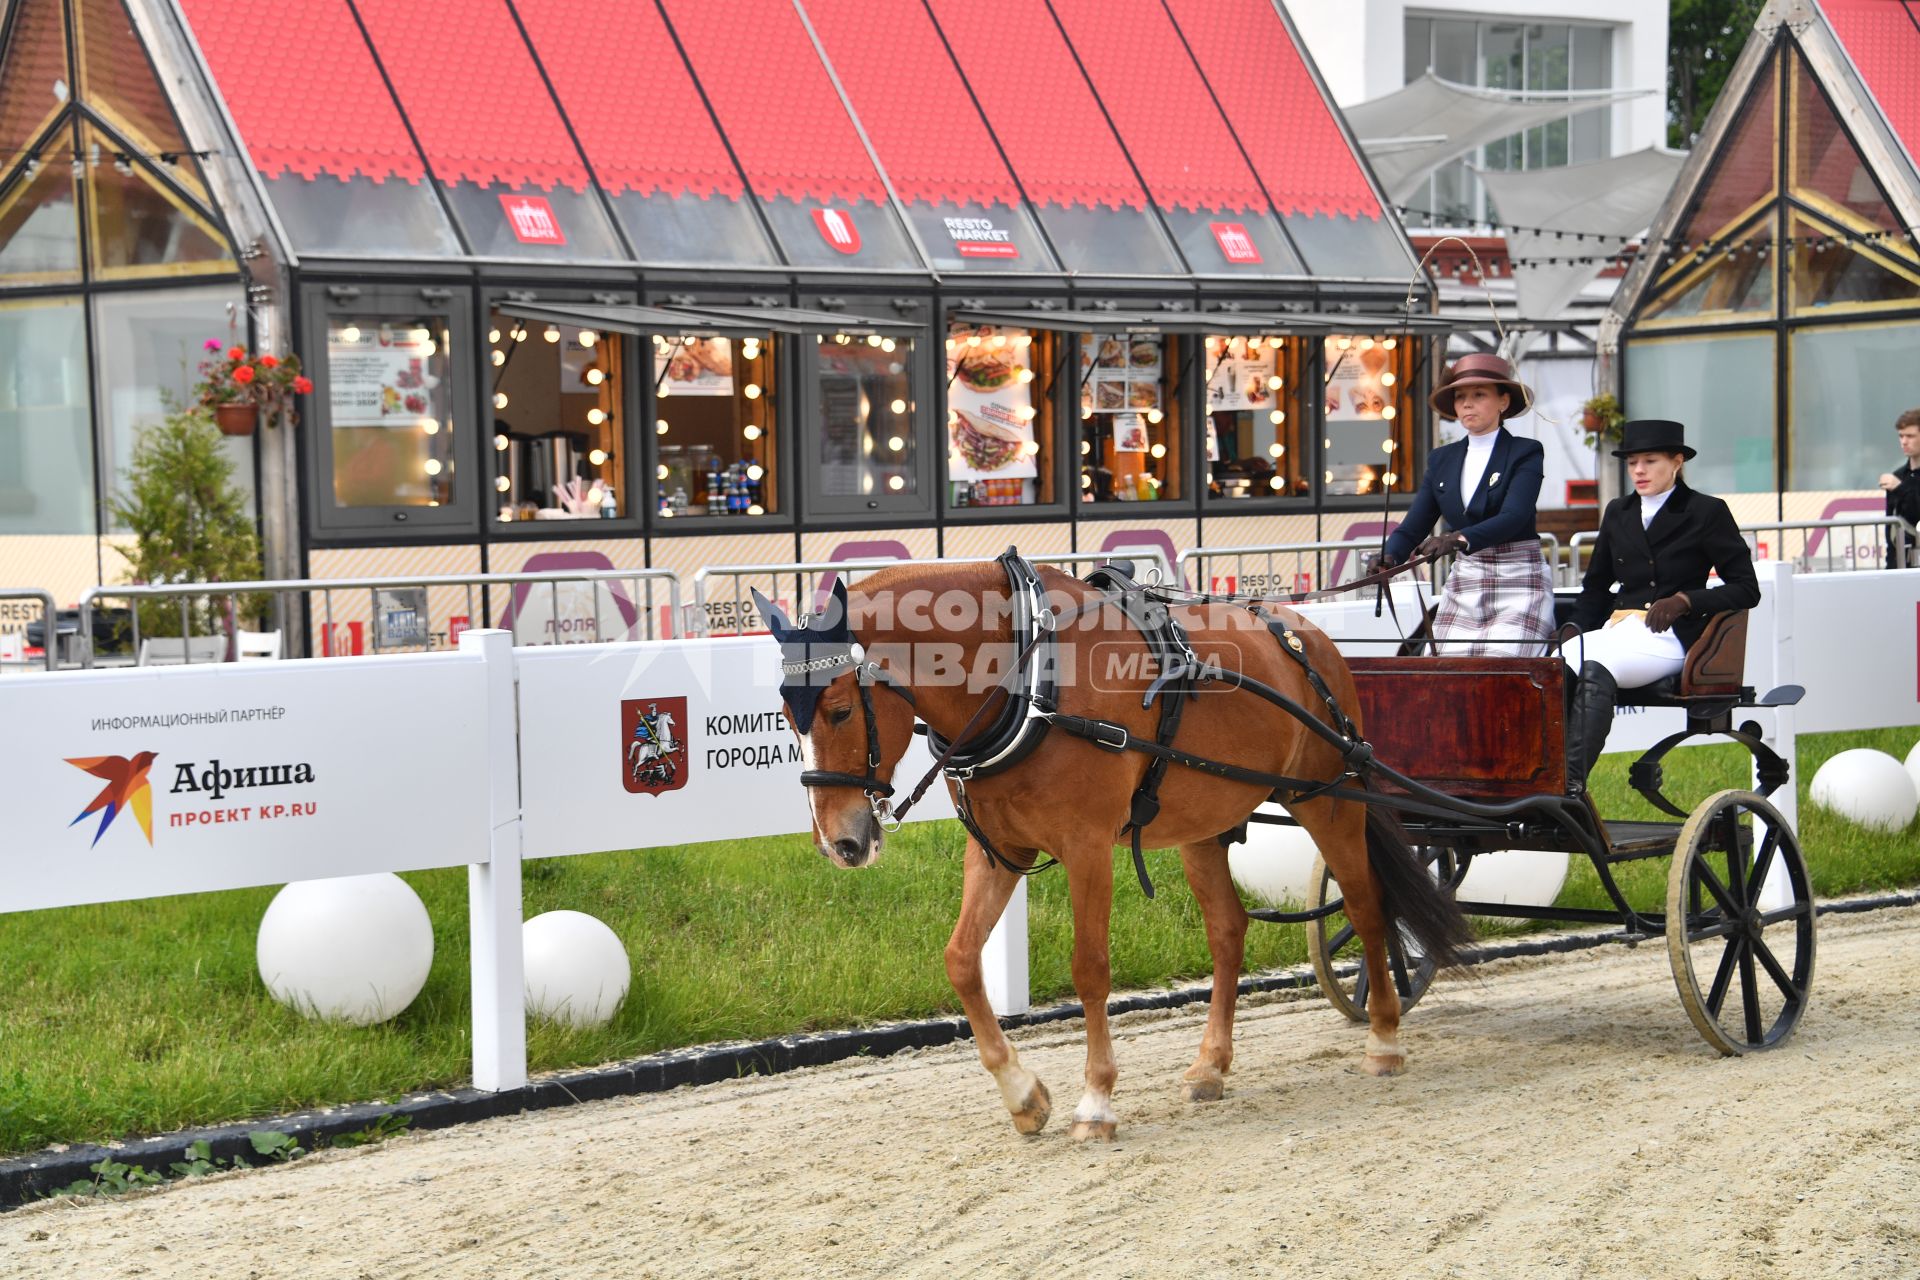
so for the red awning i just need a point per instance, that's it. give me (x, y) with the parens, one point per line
(1275, 108)
(911, 101)
(630, 98)
(1160, 104)
(1883, 39)
(1039, 104)
(471, 92)
(308, 100)
(775, 101)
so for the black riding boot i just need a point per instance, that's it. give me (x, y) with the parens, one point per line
(1587, 727)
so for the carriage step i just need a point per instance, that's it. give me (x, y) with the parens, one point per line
(1643, 837)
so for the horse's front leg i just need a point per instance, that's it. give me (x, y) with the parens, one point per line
(1226, 917)
(1090, 882)
(985, 889)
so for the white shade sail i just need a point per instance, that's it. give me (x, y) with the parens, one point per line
(1409, 133)
(1608, 202)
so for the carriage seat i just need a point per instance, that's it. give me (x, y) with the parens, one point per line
(1716, 667)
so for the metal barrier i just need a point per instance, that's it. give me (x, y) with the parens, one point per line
(49, 615)
(1820, 550)
(401, 629)
(1282, 568)
(733, 613)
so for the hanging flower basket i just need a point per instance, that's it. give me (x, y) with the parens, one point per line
(237, 419)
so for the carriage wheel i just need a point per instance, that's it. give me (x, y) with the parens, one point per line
(1337, 954)
(1751, 941)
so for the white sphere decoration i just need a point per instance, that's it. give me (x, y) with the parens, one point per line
(351, 949)
(1274, 864)
(1913, 766)
(1868, 787)
(577, 969)
(1515, 877)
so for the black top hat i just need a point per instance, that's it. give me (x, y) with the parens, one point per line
(1653, 435)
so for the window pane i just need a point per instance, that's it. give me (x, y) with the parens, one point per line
(394, 218)
(139, 227)
(1453, 193)
(1501, 55)
(1254, 419)
(1723, 287)
(714, 413)
(1419, 48)
(1826, 168)
(39, 234)
(1456, 51)
(1000, 420)
(1840, 420)
(147, 347)
(391, 409)
(1368, 416)
(558, 441)
(1742, 174)
(46, 440)
(1722, 389)
(867, 443)
(1827, 272)
(1549, 56)
(1591, 132)
(1130, 418)
(118, 82)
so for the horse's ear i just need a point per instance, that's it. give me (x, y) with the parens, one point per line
(843, 608)
(770, 614)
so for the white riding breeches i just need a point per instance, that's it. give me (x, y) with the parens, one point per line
(1635, 655)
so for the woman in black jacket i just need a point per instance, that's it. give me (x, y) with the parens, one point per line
(1499, 596)
(1645, 598)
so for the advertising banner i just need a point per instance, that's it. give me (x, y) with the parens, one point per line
(1120, 372)
(378, 375)
(1242, 376)
(990, 408)
(145, 782)
(676, 742)
(693, 366)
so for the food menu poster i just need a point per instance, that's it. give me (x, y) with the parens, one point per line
(1120, 372)
(990, 404)
(380, 375)
(1354, 391)
(1241, 376)
(700, 367)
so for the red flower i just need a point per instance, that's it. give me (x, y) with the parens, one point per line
(268, 362)
(243, 375)
(236, 353)
(301, 386)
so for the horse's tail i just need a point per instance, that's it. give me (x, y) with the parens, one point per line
(1409, 894)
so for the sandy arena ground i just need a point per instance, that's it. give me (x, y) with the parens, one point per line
(1560, 1118)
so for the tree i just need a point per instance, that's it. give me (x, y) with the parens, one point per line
(1703, 39)
(188, 519)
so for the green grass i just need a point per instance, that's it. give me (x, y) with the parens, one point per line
(142, 1017)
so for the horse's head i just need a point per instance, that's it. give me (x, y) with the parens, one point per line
(850, 739)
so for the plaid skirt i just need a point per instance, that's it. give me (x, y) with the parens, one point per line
(1498, 602)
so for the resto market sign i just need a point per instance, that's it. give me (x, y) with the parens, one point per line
(135, 784)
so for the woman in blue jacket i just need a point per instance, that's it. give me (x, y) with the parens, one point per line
(1499, 596)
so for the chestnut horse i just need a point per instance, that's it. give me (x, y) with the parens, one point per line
(939, 635)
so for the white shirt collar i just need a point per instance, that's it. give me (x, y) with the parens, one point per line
(1650, 505)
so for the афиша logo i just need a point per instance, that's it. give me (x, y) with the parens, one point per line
(654, 760)
(127, 786)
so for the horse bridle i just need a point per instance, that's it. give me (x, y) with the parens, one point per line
(879, 792)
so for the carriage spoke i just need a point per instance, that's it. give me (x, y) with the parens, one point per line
(1781, 978)
(1340, 939)
(1750, 996)
(1762, 864)
(1397, 961)
(1704, 875)
(1720, 928)
(1792, 911)
(1717, 994)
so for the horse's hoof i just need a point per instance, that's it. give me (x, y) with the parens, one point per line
(1088, 1130)
(1380, 1064)
(1205, 1089)
(1034, 1113)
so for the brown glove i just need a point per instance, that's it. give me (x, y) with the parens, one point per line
(1377, 561)
(1441, 544)
(1665, 613)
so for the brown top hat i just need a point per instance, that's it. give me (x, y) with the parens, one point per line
(1483, 368)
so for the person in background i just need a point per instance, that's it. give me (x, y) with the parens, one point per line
(1902, 487)
(1499, 591)
(1645, 599)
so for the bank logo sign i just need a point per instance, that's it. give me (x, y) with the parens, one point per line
(1234, 241)
(127, 788)
(653, 752)
(532, 220)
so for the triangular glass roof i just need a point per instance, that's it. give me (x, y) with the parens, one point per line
(39, 230)
(138, 226)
